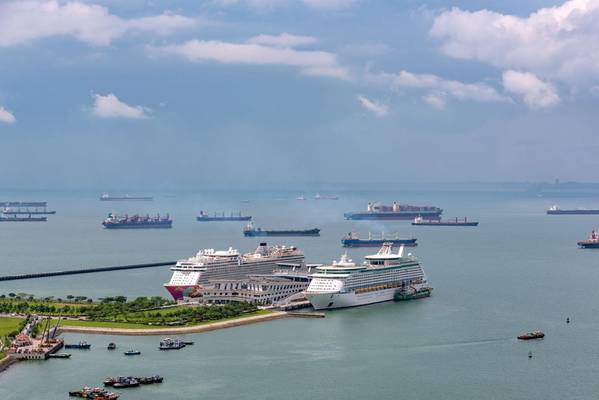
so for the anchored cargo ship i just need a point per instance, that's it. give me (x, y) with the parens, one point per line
(380, 278)
(556, 210)
(250, 230)
(137, 222)
(26, 211)
(14, 218)
(23, 204)
(352, 240)
(319, 196)
(591, 243)
(107, 197)
(196, 272)
(395, 211)
(450, 222)
(222, 217)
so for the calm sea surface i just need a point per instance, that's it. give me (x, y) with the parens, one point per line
(519, 270)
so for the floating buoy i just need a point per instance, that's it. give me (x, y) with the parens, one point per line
(530, 354)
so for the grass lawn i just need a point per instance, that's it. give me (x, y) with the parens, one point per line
(126, 325)
(9, 324)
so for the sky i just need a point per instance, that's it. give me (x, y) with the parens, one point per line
(185, 95)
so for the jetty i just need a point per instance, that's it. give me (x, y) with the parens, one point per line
(84, 271)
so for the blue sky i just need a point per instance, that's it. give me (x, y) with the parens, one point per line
(180, 94)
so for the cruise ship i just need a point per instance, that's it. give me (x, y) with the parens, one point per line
(193, 273)
(380, 278)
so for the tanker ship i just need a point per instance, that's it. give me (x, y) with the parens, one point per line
(107, 197)
(250, 230)
(556, 210)
(137, 222)
(192, 274)
(352, 240)
(395, 211)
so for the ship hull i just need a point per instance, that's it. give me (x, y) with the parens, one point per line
(330, 301)
(212, 219)
(138, 226)
(18, 219)
(180, 291)
(311, 232)
(572, 212)
(378, 242)
(588, 244)
(392, 215)
(444, 223)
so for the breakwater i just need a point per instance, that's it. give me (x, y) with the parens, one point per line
(84, 271)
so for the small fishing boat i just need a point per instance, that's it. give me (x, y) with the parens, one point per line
(132, 353)
(59, 355)
(111, 346)
(532, 335)
(81, 345)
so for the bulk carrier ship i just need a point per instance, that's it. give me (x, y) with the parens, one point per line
(196, 272)
(396, 211)
(205, 217)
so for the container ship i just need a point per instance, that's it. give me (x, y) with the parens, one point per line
(556, 210)
(137, 222)
(438, 222)
(591, 243)
(222, 217)
(250, 230)
(382, 277)
(352, 240)
(107, 197)
(194, 273)
(394, 212)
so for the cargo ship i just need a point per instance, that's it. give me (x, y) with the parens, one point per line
(319, 196)
(352, 240)
(222, 217)
(438, 222)
(394, 212)
(107, 197)
(23, 204)
(137, 222)
(14, 218)
(250, 230)
(26, 211)
(192, 274)
(591, 243)
(556, 210)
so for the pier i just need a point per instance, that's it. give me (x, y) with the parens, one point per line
(84, 271)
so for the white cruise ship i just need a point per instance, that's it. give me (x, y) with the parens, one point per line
(209, 264)
(380, 278)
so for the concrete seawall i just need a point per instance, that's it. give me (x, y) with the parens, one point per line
(177, 330)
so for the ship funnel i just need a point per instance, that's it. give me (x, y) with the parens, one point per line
(395, 207)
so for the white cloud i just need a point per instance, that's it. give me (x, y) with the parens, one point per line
(282, 40)
(316, 63)
(436, 100)
(6, 116)
(535, 93)
(375, 107)
(315, 4)
(25, 21)
(110, 106)
(559, 42)
(439, 88)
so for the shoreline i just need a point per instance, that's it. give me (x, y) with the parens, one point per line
(212, 326)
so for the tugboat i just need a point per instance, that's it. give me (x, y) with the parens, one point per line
(250, 230)
(132, 353)
(81, 345)
(352, 240)
(222, 217)
(170, 344)
(450, 222)
(532, 335)
(591, 243)
(137, 222)
(413, 294)
(111, 346)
